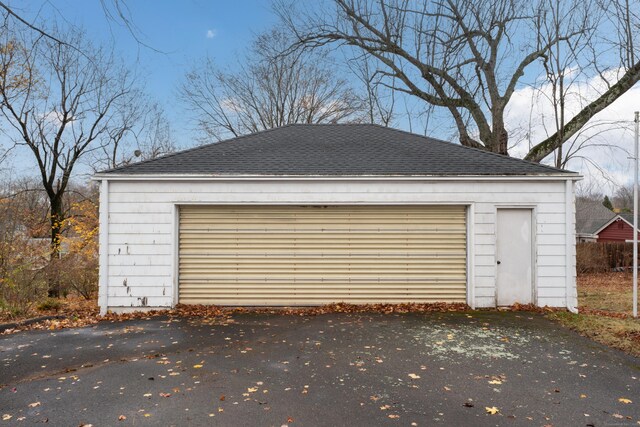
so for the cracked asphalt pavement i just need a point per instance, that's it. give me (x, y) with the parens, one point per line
(325, 370)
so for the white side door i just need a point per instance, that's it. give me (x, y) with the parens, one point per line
(514, 282)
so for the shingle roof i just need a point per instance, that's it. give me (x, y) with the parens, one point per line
(591, 216)
(335, 150)
(628, 217)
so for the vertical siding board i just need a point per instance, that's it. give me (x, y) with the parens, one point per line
(103, 254)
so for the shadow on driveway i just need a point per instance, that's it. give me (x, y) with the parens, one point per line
(327, 370)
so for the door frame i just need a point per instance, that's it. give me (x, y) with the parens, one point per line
(469, 229)
(534, 249)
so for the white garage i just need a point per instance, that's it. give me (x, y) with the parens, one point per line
(315, 214)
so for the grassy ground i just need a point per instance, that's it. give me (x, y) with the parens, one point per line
(605, 302)
(611, 292)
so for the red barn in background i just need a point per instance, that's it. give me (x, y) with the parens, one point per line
(618, 229)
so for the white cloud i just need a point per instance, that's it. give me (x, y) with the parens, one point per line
(607, 138)
(211, 33)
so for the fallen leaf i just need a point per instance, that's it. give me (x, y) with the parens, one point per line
(414, 376)
(34, 404)
(495, 382)
(147, 415)
(468, 404)
(393, 416)
(385, 407)
(6, 417)
(624, 400)
(252, 389)
(122, 418)
(197, 366)
(583, 396)
(165, 394)
(491, 410)
(147, 395)
(222, 398)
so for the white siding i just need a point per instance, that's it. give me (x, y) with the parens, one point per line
(142, 220)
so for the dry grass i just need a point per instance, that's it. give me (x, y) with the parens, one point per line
(605, 303)
(611, 292)
(623, 334)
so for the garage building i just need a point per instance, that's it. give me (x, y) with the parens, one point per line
(314, 214)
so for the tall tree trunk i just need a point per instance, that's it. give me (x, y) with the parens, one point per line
(57, 218)
(500, 143)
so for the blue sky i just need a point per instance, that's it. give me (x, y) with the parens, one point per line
(182, 32)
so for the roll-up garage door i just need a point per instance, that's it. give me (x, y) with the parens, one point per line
(309, 255)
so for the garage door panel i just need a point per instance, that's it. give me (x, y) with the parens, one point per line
(295, 255)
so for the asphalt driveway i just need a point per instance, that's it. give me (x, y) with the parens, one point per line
(328, 370)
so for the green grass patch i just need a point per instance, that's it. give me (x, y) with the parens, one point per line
(623, 334)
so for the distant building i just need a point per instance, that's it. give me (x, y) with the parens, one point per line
(618, 229)
(591, 216)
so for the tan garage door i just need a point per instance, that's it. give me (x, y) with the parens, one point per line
(308, 255)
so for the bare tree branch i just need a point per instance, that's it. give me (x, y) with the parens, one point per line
(269, 89)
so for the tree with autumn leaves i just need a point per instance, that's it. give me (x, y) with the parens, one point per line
(26, 268)
(62, 99)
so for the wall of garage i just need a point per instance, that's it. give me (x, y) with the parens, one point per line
(139, 227)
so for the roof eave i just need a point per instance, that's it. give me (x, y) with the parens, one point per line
(240, 177)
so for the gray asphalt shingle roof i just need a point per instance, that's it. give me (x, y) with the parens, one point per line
(628, 217)
(591, 216)
(335, 150)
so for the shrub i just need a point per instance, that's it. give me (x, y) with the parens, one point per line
(50, 304)
(20, 288)
(590, 259)
(22, 279)
(74, 273)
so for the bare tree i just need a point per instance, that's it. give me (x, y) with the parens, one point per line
(380, 98)
(268, 90)
(59, 103)
(142, 132)
(115, 11)
(623, 198)
(469, 57)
